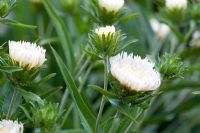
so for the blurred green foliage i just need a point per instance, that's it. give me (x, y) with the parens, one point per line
(65, 26)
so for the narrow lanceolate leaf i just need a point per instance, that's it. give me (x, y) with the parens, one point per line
(30, 97)
(46, 78)
(10, 69)
(61, 29)
(85, 112)
(102, 91)
(16, 24)
(126, 45)
(129, 17)
(73, 131)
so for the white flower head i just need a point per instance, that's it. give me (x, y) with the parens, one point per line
(195, 39)
(135, 73)
(105, 31)
(111, 5)
(27, 54)
(161, 30)
(176, 4)
(9, 126)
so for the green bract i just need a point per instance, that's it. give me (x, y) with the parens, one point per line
(4, 8)
(108, 18)
(104, 45)
(132, 98)
(45, 117)
(171, 66)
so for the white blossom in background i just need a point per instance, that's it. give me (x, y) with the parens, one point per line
(9, 126)
(161, 30)
(135, 73)
(26, 54)
(176, 4)
(105, 31)
(195, 39)
(111, 5)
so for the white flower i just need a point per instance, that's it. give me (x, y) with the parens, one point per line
(111, 5)
(27, 54)
(134, 73)
(176, 4)
(9, 126)
(161, 30)
(105, 31)
(195, 39)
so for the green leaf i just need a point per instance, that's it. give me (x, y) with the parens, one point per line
(129, 17)
(50, 92)
(46, 78)
(180, 86)
(85, 112)
(92, 54)
(26, 112)
(16, 24)
(126, 45)
(131, 112)
(10, 69)
(29, 96)
(103, 92)
(61, 30)
(73, 131)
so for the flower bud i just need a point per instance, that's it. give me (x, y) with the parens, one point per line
(45, 116)
(104, 40)
(161, 30)
(176, 4)
(171, 66)
(9, 126)
(4, 8)
(70, 6)
(111, 5)
(105, 31)
(109, 11)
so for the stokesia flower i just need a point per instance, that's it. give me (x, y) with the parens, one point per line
(26, 54)
(105, 31)
(135, 73)
(111, 5)
(176, 4)
(9, 126)
(161, 30)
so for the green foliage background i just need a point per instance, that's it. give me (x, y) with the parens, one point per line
(66, 26)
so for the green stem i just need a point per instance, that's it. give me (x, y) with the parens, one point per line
(64, 100)
(11, 104)
(103, 97)
(129, 127)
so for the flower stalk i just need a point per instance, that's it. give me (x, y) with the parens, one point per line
(103, 97)
(11, 104)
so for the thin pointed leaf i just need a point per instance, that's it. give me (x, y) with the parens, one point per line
(61, 30)
(85, 112)
(29, 96)
(50, 92)
(126, 45)
(16, 24)
(129, 17)
(103, 92)
(10, 69)
(46, 78)
(26, 112)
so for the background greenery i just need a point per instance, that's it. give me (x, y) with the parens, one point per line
(65, 25)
